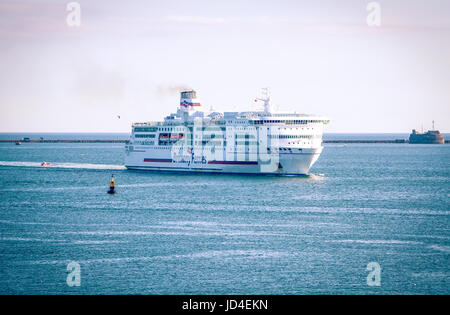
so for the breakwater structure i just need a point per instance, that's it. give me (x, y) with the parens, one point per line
(126, 141)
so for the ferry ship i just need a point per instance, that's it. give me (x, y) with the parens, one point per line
(430, 137)
(251, 142)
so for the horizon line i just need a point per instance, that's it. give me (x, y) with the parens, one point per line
(109, 132)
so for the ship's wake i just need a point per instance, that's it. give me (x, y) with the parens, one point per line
(89, 166)
(316, 176)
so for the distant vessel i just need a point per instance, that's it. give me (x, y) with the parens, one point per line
(18, 143)
(429, 137)
(251, 142)
(45, 164)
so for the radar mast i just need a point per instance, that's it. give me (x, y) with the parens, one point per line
(266, 99)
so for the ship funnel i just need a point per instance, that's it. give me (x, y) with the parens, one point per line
(189, 101)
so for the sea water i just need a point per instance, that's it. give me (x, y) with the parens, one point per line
(387, 204)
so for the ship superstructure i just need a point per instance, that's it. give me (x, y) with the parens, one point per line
(253, 142)
(430, 137)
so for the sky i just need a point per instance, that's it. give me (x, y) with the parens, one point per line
(131, 58)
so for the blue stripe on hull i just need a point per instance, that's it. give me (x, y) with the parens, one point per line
(210, 162)
(204, 171)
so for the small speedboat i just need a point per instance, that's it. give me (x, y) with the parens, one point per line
(18, 143)
(45, 164)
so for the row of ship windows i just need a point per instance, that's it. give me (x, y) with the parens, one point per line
(236, 149)
(139, 135)
(214, 128)
(294, 136)
(218, 143)
(241, 136)
(288, 122)
(241, 143)
(154, 129)
(145, 129)
(224, 143)
(271, 136)
(247, 136)
(255, 122)
(145, 135)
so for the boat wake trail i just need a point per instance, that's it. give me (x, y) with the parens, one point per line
(316, 176)
(64, 165)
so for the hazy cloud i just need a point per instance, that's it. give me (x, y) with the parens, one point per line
(99, 86)
(196, 19)
(170, 90)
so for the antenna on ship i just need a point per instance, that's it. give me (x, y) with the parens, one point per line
(433, 124)
(266, 99)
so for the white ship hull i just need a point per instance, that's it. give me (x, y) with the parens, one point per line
(295, 163)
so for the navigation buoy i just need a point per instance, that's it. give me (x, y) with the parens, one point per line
(111, 186)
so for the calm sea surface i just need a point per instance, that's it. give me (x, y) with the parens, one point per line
(223, 234)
